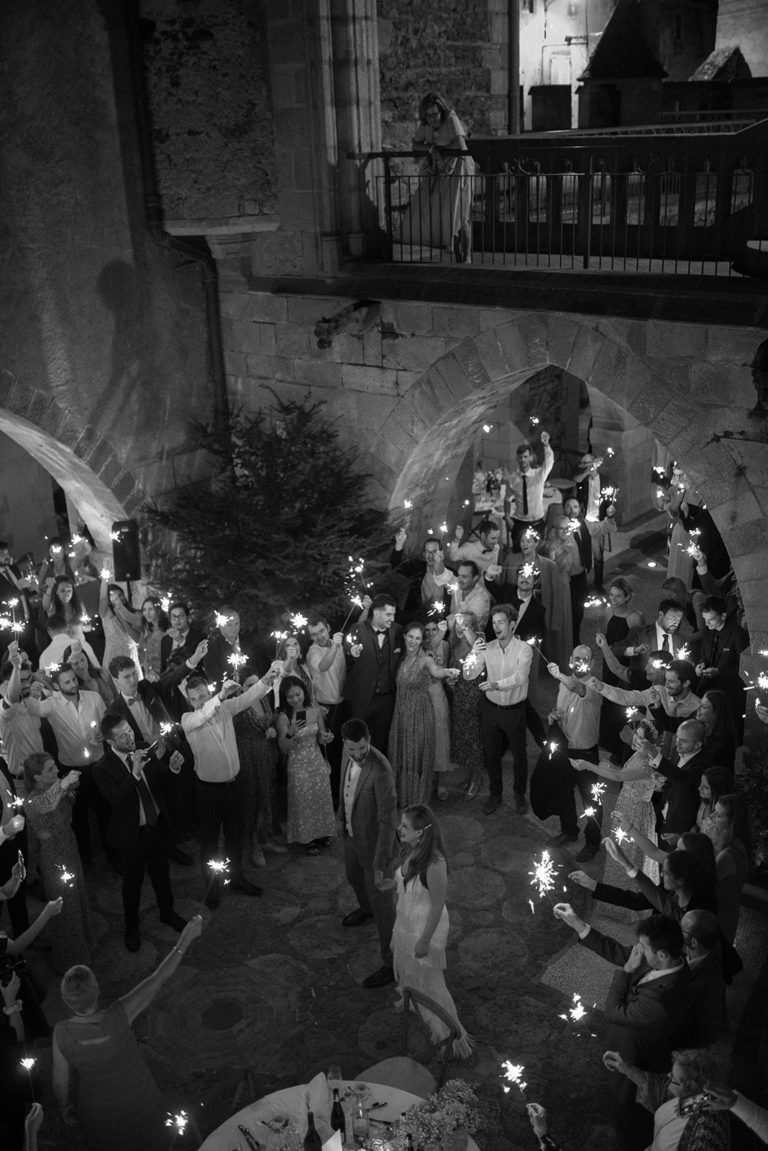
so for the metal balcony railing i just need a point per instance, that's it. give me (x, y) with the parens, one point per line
(659, 200)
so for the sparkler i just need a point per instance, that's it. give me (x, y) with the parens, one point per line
(443, 528)
(535, 421)
(470, 661)
(165, 603)
(115, 536)
(598, 791)
(278, 637)
(298, 621)
(221, 620)
(513, 1073)
(553, 746)
(528, 570)
(532, 642)
(28, 1063)
(219, 869)
(487, 428)
(575, 1013)
(357, 602)
(610, 453)
(438, 608)
(544, 875)
(106, 574)
(179, 1123)
(620, 835)
(684, 652)
(67, 877)
(633, 714)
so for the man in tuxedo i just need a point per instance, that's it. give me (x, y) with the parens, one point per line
(683, 771)
(372, 663)
(141, 704)
(647, 1003)
(426, 579)
(599, 510)
(719, 654)
(139, 824)
(223, 645)
(366, 821)
(180, 648)
(661, 635)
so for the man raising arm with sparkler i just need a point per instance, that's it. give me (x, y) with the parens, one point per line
(507, 663)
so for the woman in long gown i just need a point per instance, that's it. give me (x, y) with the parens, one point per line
(257, 748)
(466, 747)
(421, 922)
(623, 618)
(122, 625)
(300, 727)
(99, 1076)
(439, 213)
(411, 749)
(436, 648)
(48, 808)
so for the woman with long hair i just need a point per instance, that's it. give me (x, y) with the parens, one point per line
(714, 782)
(731, 835)
(466, 748)
(421, 923)
(436, 647)
(122, 625)
(716, 713)
(154, 625)
(90, 677)
(61, 599)
(300, 728)
(623, 618)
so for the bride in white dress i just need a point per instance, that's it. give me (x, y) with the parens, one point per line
(421, 924)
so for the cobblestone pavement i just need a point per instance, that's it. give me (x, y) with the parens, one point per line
(273, 986)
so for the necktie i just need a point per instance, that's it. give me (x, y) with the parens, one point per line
(665, 642)
(525, 495)
(150, 807)
(715, 637)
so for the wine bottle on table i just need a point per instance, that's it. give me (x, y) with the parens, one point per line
(338, 1119)
(312, 1141)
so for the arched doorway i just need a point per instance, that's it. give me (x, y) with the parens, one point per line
(426, 436)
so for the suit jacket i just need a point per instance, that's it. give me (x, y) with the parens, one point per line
(721, 650)
(647, 635)
(374, 811)
(534, 621)
(681, 791)
(118, 787)
(706, 1019)
(584, 543)
(362, 672)
(642, 1018)
(216, 666)
(408, 575)
(175, 657)
(153, 700)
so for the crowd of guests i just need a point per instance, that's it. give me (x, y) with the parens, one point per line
(156, 727)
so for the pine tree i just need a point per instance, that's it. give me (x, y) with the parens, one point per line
(276, 529)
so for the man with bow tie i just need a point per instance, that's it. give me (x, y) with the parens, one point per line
(484, 552)
(372, 663)
(526, 488)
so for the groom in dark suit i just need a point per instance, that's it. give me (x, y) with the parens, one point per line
(139, 825)
(366, 821)
(372, 664)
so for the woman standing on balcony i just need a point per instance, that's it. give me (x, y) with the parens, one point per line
(439, 214)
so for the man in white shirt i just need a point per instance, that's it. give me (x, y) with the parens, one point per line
(484, 551)
(327, 665)
(220, 795)
(19, 728)
(507, 664)
(470, 595)
(53, 655)
(428, 578)
(526, 487)
(75, 718)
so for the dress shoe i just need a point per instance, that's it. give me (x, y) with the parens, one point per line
(245, 887)
(521, 805)
(173, 920)
(257, 858)
(587, 854)
(213, 899)
(176, 855)
(491, 804)
(275, 848)
(380, 978)
(132, 940)
(563, 838)
(356, 917)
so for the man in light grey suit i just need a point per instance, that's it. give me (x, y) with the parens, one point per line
(366, 820)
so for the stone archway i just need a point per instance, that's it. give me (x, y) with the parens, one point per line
(425, 436)
(78, 457)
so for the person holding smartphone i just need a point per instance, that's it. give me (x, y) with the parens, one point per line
(300, 730)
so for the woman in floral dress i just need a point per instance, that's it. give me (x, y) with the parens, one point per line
(466, 747)
(300, 728)
(257, 748)
(48, 808)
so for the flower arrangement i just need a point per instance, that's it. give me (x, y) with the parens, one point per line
(453, 1108)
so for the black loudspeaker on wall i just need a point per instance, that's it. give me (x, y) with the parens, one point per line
(125, 550)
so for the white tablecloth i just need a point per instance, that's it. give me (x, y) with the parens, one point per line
(279, 1103)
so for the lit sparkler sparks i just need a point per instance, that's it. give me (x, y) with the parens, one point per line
(67, 877)
(115, 536)
(535, 421)
(533, 642)
(598, 791)
(594, 601)
(581, 666)
(28, 1063)
(632, 714)
(589, 813)
(513, 1073)
(443, 528)
(610, 453)
(528, 570)
(166, 728)
(165, 603)
(438, 608)
(620, 835)
(106, 574)
(237, 660)
(179, 1122)
(575, 1013)
(487, 428)
(221, 620)
(544, 874)
(553, 746)
(407, 504)
(470, 661)
(298, 621)
(219, 866)
(278, 637)
(684, 653)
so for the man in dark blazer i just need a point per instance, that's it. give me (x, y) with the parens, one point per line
(366, 821)
(420, 582)
(142, 704)
(180, 648)
(139, 825)
(646, 1006)
(372, 663)
(719, 655)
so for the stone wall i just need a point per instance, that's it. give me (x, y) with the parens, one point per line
(102, 347)
(414, 390)
(208, 83)
(27, 514)
(458, 50)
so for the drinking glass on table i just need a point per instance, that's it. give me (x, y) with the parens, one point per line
(333, 1075)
